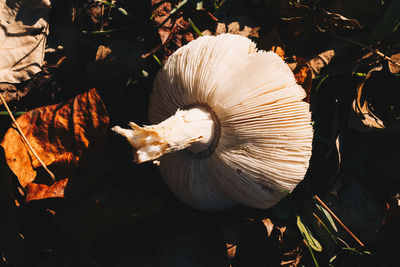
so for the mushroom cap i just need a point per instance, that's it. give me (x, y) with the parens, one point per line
(265, 136)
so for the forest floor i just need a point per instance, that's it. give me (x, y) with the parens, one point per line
(82, 67)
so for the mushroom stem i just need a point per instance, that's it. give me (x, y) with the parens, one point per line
(195, 129)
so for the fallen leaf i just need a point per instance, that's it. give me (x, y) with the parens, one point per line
(230, 251)
(41, 191)
(320, 61)
(23, 33)
(236, 28)
(363, 109)
(68, 134)
(272, 41)
(308, 236)
(268, 225)
(162, 19)
(303, 74)
(329, 21)
(279, 51)
(172, 29)
(367, 12)
(321, 19)
(393, 67)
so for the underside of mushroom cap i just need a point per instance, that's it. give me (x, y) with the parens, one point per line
(265, 134)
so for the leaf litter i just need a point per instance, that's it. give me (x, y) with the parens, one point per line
(101, 201)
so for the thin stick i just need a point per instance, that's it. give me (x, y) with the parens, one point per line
(338, 220)
(376, 51)
(53, 178)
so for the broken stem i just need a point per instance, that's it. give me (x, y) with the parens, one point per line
(53, 178)
(375, 51)
(338, 220)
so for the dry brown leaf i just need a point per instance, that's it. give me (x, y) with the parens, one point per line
(68, 134)
(393, 67)
(230, 251)
(329, 21)
(303, 74)
(363, 111)
(269, 225)
(41, 191)
(23, 33)
(236, 28)
(320, 61)
(173, 30)
(319, 19)
(279, 51)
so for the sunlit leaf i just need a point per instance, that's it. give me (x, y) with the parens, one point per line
(327, 216)
(314, 244)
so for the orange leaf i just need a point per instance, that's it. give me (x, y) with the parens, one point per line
(68, 134)
(41, 191)
(303, 75)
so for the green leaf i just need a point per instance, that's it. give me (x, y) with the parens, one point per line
(333, 258)
(310, 239)
(327, 216)
(360, 74)
(157, 60)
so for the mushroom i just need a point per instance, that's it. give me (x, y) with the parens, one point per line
(230, 125)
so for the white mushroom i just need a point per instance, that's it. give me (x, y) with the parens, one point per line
(230, 125)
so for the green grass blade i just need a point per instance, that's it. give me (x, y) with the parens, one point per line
(15, 113)
(314, 244)
(195, 28)
(178, 6)
(327, 216)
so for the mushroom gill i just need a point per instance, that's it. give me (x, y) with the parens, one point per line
(230, 125)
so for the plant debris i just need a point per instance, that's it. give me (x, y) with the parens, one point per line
(71, 70)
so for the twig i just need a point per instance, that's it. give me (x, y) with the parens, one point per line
(326, 228)
(338, 220)
(53, 178)
(375, 51)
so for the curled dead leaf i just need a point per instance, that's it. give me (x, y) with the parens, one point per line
(68, 134)
(23, 33)
(363, 116)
